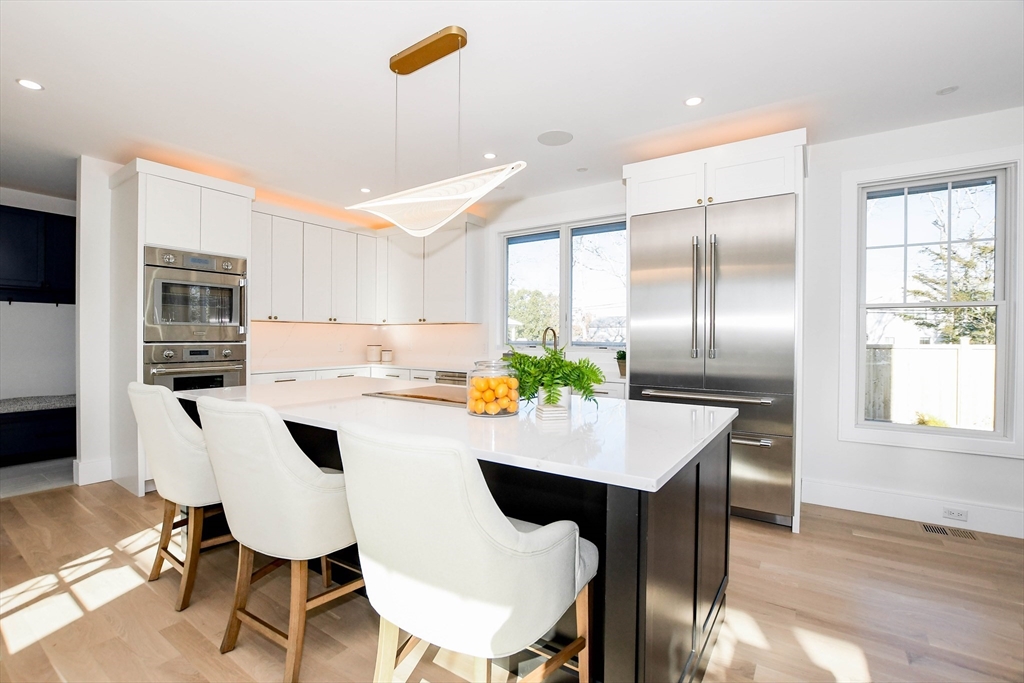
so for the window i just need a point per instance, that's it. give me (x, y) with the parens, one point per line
(933, 303)
(567, 278)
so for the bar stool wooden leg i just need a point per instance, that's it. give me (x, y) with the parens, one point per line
(170, 510)
(195, 540)
(387, 652)
(583, 631)
(481, 670)
(325, 571)
(296, 620)
(243, 581)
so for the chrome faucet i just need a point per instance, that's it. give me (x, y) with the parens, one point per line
(544, 337)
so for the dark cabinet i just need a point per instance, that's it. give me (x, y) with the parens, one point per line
(37, 256)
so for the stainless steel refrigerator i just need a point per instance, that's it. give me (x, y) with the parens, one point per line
(712, 321)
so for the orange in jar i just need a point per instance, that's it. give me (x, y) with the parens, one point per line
(513, 383)
(503, 402)
(492, 408)
(513, 395)
(474, 394)
(480, 384)
(488, 396)
(512, 407)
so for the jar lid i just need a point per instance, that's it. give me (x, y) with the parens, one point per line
(486, 364)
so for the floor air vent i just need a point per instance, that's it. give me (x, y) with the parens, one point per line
(943, 531)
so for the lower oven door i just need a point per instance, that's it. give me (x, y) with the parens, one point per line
(190, 376)
(193, 306)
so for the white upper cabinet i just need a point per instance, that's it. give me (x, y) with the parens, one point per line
(286, 264)
(405, 278)
(366, 279)
(316, 273)
(381, 311)
(224, 223)
(760, 167)
(172, 213)
(344, 277)
(444, 276)
(259, 277)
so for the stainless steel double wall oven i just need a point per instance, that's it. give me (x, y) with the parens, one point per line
(194, 319)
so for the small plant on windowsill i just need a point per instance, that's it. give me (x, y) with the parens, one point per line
(620, 358)
(551, 373)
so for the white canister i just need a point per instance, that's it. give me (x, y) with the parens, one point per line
(387, 356)
(373, 353)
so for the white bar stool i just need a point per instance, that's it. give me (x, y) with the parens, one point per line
(442, 562)
(280, 504)
(176, 453)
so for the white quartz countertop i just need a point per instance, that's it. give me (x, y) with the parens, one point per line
(633, 444)
(297, 366)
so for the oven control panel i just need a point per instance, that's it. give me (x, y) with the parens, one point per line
(190, 260)
(192, 353)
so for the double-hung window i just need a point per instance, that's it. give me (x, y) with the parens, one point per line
(569, 278)
(933, 299)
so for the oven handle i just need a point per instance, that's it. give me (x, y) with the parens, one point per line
(242, 308)
(199, 371)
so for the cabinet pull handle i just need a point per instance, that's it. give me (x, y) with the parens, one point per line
(346, 375)
(392, 376)
(710, 398)
(712, 280)
(602, 392)
(290, 379)
(694, 351)
(742, 441)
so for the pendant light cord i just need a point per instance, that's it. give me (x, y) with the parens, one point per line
(396, 131)
(458, 151)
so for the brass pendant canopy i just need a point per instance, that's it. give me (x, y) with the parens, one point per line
(429, 50)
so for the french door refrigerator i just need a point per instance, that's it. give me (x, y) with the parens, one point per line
(712, 321)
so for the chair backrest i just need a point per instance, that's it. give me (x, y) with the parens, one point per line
(276, 500)
(439, 558)
(174, 445)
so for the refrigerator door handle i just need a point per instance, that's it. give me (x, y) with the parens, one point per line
(759, 443)
(711, 398)
(694, 351)
(712, 255)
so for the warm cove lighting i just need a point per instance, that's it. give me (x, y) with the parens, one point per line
(422, 210)
(694, 101)
(31, 85)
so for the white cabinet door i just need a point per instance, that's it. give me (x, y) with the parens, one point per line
(731, 177)
(286, 260)
(422, 376)
(385, 372)
(366, 279)
(259, 271)
(316, 273)
(278, 377)
(680, 190)
(224, 223)
(405, 279)
(381, 312)
(344, 281)
(343, 372)
(172, 213)
(444, 276)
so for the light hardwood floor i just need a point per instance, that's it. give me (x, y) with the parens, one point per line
(853, 597)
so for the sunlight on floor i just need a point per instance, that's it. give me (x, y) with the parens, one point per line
(36, 621)
(106, 585)
(739, 627)
(842, 658)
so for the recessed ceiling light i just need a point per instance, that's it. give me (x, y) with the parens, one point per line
(31, 85)
(581, 169)
(490, 155)
(554, 138)
(694, 101)
(364, 190)
(947, 91)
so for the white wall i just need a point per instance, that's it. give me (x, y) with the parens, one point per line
(37, 341)
(93, 324)
(899, 482)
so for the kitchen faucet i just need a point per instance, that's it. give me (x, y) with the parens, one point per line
(544, 337)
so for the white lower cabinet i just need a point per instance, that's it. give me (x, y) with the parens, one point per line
(343, 372)
(278, 377)
(385, 372)
(422, 376)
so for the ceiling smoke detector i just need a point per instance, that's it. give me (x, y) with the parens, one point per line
(555, 138)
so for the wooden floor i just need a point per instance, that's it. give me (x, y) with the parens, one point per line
(854, 597)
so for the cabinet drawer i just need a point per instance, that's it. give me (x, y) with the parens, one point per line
(762, 473)
(422, 376)
(389, 373)
(342, 372)
(610, 390)
(274, 377)
(773, 416)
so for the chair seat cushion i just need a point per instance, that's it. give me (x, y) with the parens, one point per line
(587, 566)
(330, 470)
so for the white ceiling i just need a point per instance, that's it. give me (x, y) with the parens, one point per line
(297, 99)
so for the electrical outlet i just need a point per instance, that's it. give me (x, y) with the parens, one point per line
(955, 513)
(341, 347)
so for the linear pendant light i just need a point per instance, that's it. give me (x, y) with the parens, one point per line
(422, 210)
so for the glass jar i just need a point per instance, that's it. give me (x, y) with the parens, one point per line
(493, 389)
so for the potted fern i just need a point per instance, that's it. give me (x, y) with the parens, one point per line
(546, 377)
(620, 358)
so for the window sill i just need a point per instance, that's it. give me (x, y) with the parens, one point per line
(895, 435)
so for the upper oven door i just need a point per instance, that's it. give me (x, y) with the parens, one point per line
(193, 306)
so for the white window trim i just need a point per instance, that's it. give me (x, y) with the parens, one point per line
(564, 230)
(1009, 444)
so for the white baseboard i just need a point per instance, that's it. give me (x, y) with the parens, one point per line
(92, 471)
(984, 518)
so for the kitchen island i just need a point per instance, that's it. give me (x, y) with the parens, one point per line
(648, 483)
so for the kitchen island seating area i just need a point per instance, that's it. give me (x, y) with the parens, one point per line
(176, 451)
(443, 563)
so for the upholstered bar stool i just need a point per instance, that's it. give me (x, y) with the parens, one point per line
(442, 562)
(176, 453)
(280, 504)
